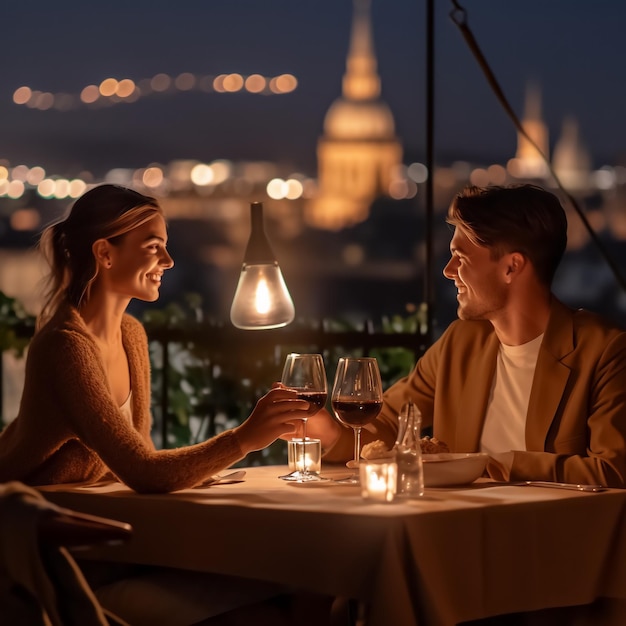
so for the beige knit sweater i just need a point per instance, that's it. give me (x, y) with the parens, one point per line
(69, 428)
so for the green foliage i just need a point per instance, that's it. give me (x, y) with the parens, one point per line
(16, 325)
(210, 391)
(394, 363)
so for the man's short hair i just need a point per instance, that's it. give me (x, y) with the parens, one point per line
(516, 218)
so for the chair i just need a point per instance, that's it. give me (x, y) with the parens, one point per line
(40, 582)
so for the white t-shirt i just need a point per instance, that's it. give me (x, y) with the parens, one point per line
(505, 422)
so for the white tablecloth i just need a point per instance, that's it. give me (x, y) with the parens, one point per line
(456, 554)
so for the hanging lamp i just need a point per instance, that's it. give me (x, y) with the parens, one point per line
(262, 299)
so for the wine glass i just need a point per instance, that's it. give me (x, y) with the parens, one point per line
(305, 374)
(357, 398)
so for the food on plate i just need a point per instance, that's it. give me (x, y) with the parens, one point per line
(432, 445)
(375, 450)
(379, 450)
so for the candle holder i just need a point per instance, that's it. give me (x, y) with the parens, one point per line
(378, 480)
(304, 454)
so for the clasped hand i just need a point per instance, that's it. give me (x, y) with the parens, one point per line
(276, 414)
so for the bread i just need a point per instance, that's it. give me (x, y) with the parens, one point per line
(379, 450)
(375, 450)
(432, 445)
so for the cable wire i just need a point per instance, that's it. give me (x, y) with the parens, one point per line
(459, 16)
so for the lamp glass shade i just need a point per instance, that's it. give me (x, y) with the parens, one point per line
(262, 299)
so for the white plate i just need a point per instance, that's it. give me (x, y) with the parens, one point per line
(449, 468)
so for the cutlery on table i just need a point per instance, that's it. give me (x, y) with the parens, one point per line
(233, 477)
(572, 486)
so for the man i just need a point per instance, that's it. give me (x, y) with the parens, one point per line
(540, 387)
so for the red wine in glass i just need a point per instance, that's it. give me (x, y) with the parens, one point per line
(316, 400)
(357, 397)
(356, 412)
(305, 374)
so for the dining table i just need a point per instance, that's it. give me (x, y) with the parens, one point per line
(455, 554)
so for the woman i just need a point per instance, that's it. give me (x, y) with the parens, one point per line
(85, 409)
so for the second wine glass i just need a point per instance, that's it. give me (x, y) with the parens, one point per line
(305, 374)
(357, 397)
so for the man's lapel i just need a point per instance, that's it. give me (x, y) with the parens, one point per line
(551, 375)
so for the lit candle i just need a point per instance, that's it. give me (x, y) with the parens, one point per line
(304, 463)
(378, 480)
(305, 455)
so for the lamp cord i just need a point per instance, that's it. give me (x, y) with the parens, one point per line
(459, 17)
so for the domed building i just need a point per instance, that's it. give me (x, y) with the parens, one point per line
(359, 153)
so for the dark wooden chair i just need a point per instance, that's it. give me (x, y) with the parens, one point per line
(40, 582)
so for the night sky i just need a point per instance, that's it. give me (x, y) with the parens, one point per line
(575, 49)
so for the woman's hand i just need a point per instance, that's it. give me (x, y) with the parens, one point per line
(320, 426)
(277, 413)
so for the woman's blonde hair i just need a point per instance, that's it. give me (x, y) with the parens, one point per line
(104, 212)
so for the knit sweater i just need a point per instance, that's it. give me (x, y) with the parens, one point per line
(69, 428)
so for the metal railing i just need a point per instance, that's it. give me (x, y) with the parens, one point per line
(254, 357)
(257, 356)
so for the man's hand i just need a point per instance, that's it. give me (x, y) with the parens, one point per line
(323, 426)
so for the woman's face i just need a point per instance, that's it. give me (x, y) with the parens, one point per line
(138, 261)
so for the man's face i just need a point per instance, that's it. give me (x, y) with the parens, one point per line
(480, 280)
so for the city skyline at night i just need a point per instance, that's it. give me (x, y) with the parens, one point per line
(263, 139)
(572, 49)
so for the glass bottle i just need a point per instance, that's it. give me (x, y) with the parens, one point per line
(408, 453)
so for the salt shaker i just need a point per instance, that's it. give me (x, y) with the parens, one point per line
(408, 453)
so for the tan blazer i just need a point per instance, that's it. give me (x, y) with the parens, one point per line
(576, 420)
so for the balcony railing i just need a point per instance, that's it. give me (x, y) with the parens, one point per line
(247, 362)
(209, 370)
